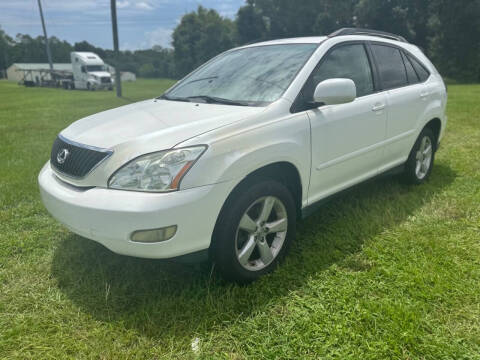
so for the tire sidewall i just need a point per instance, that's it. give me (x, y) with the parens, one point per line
(410, 172)
(224, 254)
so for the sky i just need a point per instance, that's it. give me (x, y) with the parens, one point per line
(141, 23)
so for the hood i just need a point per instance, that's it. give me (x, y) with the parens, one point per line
(99, 73)
(166, 123)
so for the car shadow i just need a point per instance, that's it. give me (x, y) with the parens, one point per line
(168, 300)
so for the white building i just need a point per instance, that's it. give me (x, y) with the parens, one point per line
(124, 75)
(127, 76)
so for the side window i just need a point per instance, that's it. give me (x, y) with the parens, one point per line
(346, 61)
(411, 74)
(423, 74)
(390, 66)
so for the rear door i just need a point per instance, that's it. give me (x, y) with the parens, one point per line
(406, 98)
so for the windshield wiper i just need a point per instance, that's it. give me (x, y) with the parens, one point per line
(216, 100)
(173, 98)
(206, 98)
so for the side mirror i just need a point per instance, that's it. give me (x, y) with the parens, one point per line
(335, 91)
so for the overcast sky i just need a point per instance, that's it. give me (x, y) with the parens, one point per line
(141, 23)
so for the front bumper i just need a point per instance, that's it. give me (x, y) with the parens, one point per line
(110, 216)
(102, 86)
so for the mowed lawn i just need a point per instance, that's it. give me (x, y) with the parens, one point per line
(385, 271)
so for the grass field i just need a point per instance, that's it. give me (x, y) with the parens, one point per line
(386, 271)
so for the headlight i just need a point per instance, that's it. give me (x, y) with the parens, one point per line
(160, 171)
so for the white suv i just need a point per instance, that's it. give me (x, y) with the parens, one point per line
(227, 159)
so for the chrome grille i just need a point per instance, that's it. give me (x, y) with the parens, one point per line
(75, 160)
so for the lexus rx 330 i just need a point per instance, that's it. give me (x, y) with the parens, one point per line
(225, 161)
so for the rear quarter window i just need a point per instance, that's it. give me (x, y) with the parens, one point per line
(411, 73)
(422, 73)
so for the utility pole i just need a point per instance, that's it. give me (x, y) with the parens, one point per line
(49, 54)
(118, 84)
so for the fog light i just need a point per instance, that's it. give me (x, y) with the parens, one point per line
(154, 235)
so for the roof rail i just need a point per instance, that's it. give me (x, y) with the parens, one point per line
(359, 31)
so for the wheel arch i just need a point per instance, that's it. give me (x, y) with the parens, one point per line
(282, 171)
(435, 125)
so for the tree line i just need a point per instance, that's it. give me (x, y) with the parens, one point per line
(448, 31)
(155, 62)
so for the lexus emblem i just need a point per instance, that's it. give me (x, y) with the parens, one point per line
(62, 156)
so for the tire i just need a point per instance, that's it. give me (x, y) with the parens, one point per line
(244, 247)
(420, 161)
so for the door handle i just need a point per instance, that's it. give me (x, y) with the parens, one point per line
(378, 107)
(423, 95)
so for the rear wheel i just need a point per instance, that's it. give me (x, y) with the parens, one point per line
(420, 161)
(254, 231)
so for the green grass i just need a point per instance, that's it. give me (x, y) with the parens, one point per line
(386, 271)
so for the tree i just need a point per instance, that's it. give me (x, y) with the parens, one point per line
(146, 70)
(60, 50)
(335, 15)
(251, 24)
(455, 45)
(391, 16)
(5, 46)
(419, 18)
(448, 31)
(268, 19)
(86, 46)
(409, 18)
(200, 36)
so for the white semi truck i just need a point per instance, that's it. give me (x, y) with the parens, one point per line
(89, 71)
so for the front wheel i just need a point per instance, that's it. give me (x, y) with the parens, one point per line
(420, 161)
(254, 231)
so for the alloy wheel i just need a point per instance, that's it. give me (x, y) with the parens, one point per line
(424, 158)
(261, 233)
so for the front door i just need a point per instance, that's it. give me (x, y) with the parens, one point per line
(347, 138)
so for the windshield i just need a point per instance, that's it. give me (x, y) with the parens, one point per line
(95, 68)
(254, 76)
